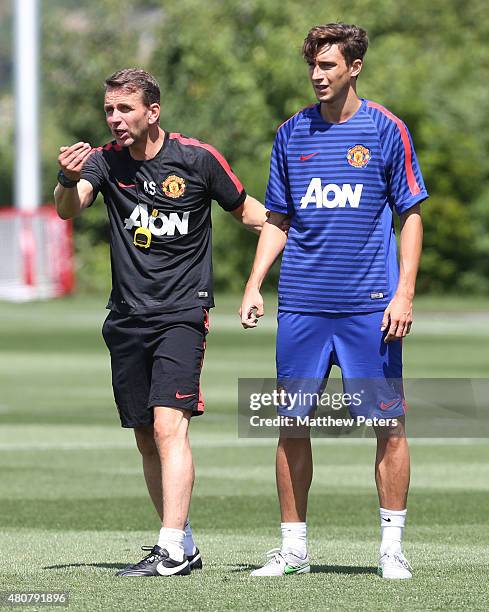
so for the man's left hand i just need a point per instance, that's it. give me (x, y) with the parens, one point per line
(398, 318)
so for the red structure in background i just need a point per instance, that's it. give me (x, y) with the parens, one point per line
(36, 254)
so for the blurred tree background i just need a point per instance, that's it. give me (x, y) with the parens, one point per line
(231, 71)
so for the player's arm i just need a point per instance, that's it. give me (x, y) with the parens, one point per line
(70, 201)
(270, 244)
(398, 316)
(251, 213)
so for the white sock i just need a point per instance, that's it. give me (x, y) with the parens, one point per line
(189, 547)
(391, 527)
(172, 541)
(294, 539)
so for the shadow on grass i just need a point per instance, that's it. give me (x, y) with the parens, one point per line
(342, 569)
(318, 569)
(114, 566)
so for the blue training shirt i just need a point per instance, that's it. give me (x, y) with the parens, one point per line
(340, 183)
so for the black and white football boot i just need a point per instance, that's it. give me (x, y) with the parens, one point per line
(195, 560)
(157, 563)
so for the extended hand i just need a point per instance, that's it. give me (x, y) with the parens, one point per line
(251, 308)
(398, 318)
(71, 159)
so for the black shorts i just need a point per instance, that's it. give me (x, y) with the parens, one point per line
(156, 361)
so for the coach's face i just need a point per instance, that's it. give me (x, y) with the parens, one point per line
(128, 117)
(330, 75)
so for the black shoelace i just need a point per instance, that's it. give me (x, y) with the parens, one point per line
(149, 558)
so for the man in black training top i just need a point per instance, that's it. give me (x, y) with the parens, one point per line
(158, 188)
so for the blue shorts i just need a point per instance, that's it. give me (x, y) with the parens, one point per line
(308, 344)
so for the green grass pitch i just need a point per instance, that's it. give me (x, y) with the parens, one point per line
(73, 505)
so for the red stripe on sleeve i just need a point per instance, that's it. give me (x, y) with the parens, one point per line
(408, 162)
(201, 402)
(108, 147)
(196, 143)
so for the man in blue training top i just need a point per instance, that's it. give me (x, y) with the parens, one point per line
(338, 170)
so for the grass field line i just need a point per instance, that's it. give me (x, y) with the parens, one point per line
(70, 362)
(354, 475)
(69, 446)
(446, 323)
(212, 533)
(98, 436)
(223, 443)
(471, 323)
(351, 541)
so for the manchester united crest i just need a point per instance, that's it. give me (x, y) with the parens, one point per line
(173, 186)
(358, 156)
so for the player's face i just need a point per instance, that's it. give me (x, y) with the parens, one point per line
(128, 117)
(330, 75)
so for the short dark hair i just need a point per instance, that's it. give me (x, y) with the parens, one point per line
(352, 41)
(136, 79)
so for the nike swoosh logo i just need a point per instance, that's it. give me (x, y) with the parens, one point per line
(169, 571)
(305, 157)
(290, 569)
(178, 395)
(387, 406)
(386, 519)
(125, 186)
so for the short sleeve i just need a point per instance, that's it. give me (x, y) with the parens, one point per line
(405, 182)
(94, 172)
(278, 198)
(224, 186)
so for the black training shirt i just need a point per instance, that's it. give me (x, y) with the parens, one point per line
(178, 184)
